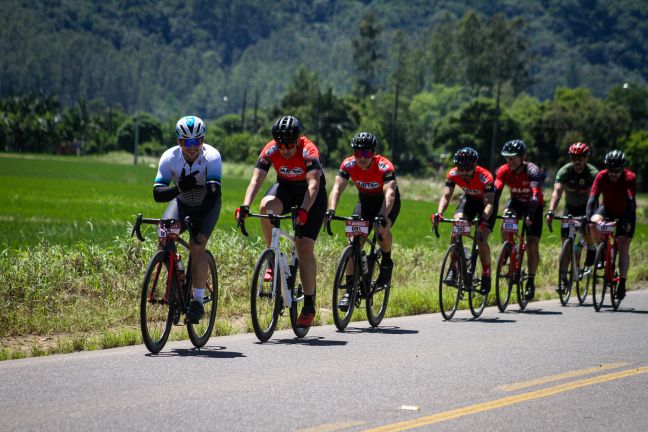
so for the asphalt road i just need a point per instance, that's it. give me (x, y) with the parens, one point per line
(551, 367)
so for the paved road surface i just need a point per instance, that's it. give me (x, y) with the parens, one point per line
(552, 367)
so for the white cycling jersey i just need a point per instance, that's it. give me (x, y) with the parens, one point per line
(208, 164)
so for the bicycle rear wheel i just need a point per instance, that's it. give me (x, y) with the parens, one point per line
(584, 277)
(478, 293)
(521, 276)
(448, 294)
(377, 300)
(599, 284)
(264, 303)
(201, 332)
(297, 293)
(566, 254)
(504, 277)
(156, 311)
(340, 287)
(613, 284)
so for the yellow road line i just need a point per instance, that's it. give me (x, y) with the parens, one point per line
(560, 376)
(510, 400)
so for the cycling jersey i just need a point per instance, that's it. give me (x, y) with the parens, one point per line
(209, 167)
(575, 185)
(291, 170)
(479, 184)
(618, 197)
(370, 181)
(525, 186)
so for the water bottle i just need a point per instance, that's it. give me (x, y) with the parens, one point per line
(467, 253)
(364, 264)
(181, 269)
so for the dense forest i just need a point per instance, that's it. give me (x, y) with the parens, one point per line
(426, 76)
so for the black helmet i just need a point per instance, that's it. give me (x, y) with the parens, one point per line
(286, 130)
(466, 157)
(615, 159)
(514, 147)
(364, 141)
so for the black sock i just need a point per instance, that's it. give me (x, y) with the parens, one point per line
(622, 284)
(309, 302)
(386, 257)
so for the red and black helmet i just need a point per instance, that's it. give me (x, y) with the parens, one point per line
(579, 149)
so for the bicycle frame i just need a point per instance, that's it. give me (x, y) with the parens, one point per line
(610, 247)
(516, 238)
(462, 228)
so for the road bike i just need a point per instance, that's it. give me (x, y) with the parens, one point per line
(363, 285)
(167, 289)
(511, 265)
(571, 262)
(606, 265)
(274, 282)
(466, 267)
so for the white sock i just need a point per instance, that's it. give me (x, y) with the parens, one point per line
(199, 293)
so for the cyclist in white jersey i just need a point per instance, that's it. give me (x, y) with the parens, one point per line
(195, 169)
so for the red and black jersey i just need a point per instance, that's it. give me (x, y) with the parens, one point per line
(291, 170)
(480, 183)
(369, 181)
(525, 185)
(617, 196)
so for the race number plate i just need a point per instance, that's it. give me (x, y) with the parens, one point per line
(461, 228)
(359, 228)
(606, 227)
(509, 225)
(567, 222)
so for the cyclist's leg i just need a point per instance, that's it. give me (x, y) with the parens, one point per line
(275, 201)
(597, 217)
(197, 245)
(386, 263)
(534, 232)
(623, 239)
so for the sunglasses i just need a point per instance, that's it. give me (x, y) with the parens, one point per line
(615, 170)
(510, 158)
(577, 158)
(191, 142)
(290, 146)
(465, 169)
(363, 154)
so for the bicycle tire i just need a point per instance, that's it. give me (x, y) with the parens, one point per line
(378, 298)
(504, 273)
(156, 314)
(200, 333)
(297, 298)
(599, 284)
(566, 250)
(477, 298)
(264, 304)
(446, 291)
(521, 276)
(341, 318)
(613, 284)
(584, 279)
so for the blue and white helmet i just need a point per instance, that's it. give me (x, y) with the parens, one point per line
(190, 127)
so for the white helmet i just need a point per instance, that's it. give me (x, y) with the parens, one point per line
(190, 127)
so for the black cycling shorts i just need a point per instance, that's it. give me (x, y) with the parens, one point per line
(369, 207)
(293, 196)
(521, 208)
(179, 210)
(471, 208)
(620, 231)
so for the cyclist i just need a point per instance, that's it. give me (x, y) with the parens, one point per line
(524, 180)
(575, 179)
(479, 199)
(300, 182)
(378, 196)
(618, 187)
(195, 169)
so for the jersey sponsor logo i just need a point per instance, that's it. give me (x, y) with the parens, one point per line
(483, 178)
(285, 171)
(368, 185)
(470, 191)
(520, 190)
(271, 150)
(350, 164)
(382, 166)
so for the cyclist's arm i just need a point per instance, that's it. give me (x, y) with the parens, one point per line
(338, 187)
(165, 193)
(592, 202)
(258, 176)
(629, 213)
(212, 196)
(162, 192)
(555, 196)
(313, 182)
(489, 204)
(389, 189)
(445, 198)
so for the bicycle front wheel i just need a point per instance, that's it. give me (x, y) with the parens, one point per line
(599, 284)
(265, 304)
(378, 298)
(340, 287)
(478, 292)
(504, 277)
(614, 282)
(450, 287)
(201, 332)
(521, 276)
(297, 293)
(584, 277)
(565, 285)
(156, 310)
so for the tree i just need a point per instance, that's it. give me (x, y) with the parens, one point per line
(366, 55)
(634, 98)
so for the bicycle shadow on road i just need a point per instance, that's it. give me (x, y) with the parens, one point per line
(311, 341)
(495, 320)
(624, 310)
(379, 329)
(209, 352)
(537, 312)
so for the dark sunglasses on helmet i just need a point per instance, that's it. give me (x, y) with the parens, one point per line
(364, 154)
(191, 142)
(578, 157)
(288, 146)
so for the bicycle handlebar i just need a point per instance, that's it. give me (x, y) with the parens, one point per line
(449, 220)
(141, 220)
(353, 218)
(274, 220)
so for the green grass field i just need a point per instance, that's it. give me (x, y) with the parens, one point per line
(69, 270)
